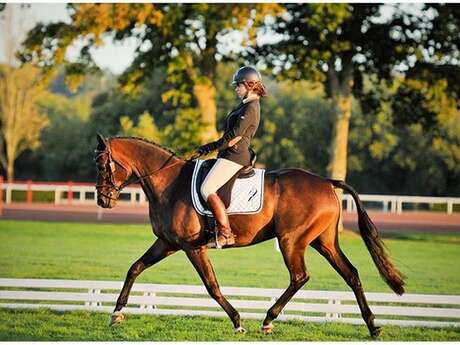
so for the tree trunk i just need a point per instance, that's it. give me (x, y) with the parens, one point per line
(338, 152)
(10, 171)
(10, 158)
(338, 158)
(205, 94)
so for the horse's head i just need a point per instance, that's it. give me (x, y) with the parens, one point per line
(112, 175)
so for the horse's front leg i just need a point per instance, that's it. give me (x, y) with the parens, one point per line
(157, 252)
(200, 260)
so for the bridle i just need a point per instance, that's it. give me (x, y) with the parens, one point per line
(112, 162)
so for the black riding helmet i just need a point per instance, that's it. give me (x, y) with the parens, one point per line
(245, 74)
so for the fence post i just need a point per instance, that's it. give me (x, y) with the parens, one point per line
(29, 191)
(333, 315)
(91, 303)
(142, 198)
(99, 213)
(148, 306)
(9, 192)
(449, 206)
(399, 206)
(133, 197)
(69, 193)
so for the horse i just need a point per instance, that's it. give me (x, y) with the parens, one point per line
(166, 180)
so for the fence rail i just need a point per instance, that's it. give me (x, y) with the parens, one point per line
(313, 306)
(85, 193)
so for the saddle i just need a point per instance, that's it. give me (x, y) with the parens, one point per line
(225, 192)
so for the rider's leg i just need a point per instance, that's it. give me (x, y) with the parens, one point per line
(222, 171)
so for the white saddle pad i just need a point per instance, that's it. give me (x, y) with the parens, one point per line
(247, 193)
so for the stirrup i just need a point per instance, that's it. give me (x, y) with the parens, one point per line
(229, 240)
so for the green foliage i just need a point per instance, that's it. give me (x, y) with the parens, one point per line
(340, 44)
(406, 145)
(184, 135)
(146, 127)
(21, 121)
(295, 127)
(65, 150)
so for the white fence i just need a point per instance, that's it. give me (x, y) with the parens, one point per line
(80, 193)
(394, 203)
(310, 306)
(86, 194)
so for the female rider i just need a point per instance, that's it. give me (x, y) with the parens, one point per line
(233, 149)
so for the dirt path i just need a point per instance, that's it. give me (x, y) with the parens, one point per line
(408, 221)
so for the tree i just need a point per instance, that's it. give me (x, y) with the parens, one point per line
(187, 39)
(405, 139)
(338, 44)
(65, 151)
(20, 90)
(295, 126)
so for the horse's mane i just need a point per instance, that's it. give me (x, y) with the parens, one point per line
(147, 142)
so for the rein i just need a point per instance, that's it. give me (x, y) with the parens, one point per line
(113, 161)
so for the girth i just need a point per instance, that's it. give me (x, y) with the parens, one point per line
(225, 192)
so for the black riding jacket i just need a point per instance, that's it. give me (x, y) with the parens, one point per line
(242, 121)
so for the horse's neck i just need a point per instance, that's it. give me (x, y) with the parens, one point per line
(155, 167)
(157, 171)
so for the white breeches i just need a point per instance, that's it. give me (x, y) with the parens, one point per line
(222, 171)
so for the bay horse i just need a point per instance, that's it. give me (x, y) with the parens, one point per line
(299, 209)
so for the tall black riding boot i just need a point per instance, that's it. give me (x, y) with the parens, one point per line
(224, 236)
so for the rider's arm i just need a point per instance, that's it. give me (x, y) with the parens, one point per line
(234, 141)
(235, 134)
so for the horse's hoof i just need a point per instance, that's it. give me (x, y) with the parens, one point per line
(376, 332)
(116, 318)
(267, 329)
(240, 330)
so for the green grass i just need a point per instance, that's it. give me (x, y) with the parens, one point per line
(37, 196)
(45, 325)
(105, 252)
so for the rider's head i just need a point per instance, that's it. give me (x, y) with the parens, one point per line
(247, 81)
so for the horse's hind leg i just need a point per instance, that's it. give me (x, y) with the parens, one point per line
(200, 261)
(157, 252)
(293, 256)
(328, 246)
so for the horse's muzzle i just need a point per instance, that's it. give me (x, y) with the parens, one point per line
(105, 202)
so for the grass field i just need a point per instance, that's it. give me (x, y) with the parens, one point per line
(105, 252)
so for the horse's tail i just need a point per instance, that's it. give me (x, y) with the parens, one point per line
(392, 276)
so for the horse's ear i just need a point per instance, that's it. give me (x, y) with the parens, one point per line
(101, 140)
